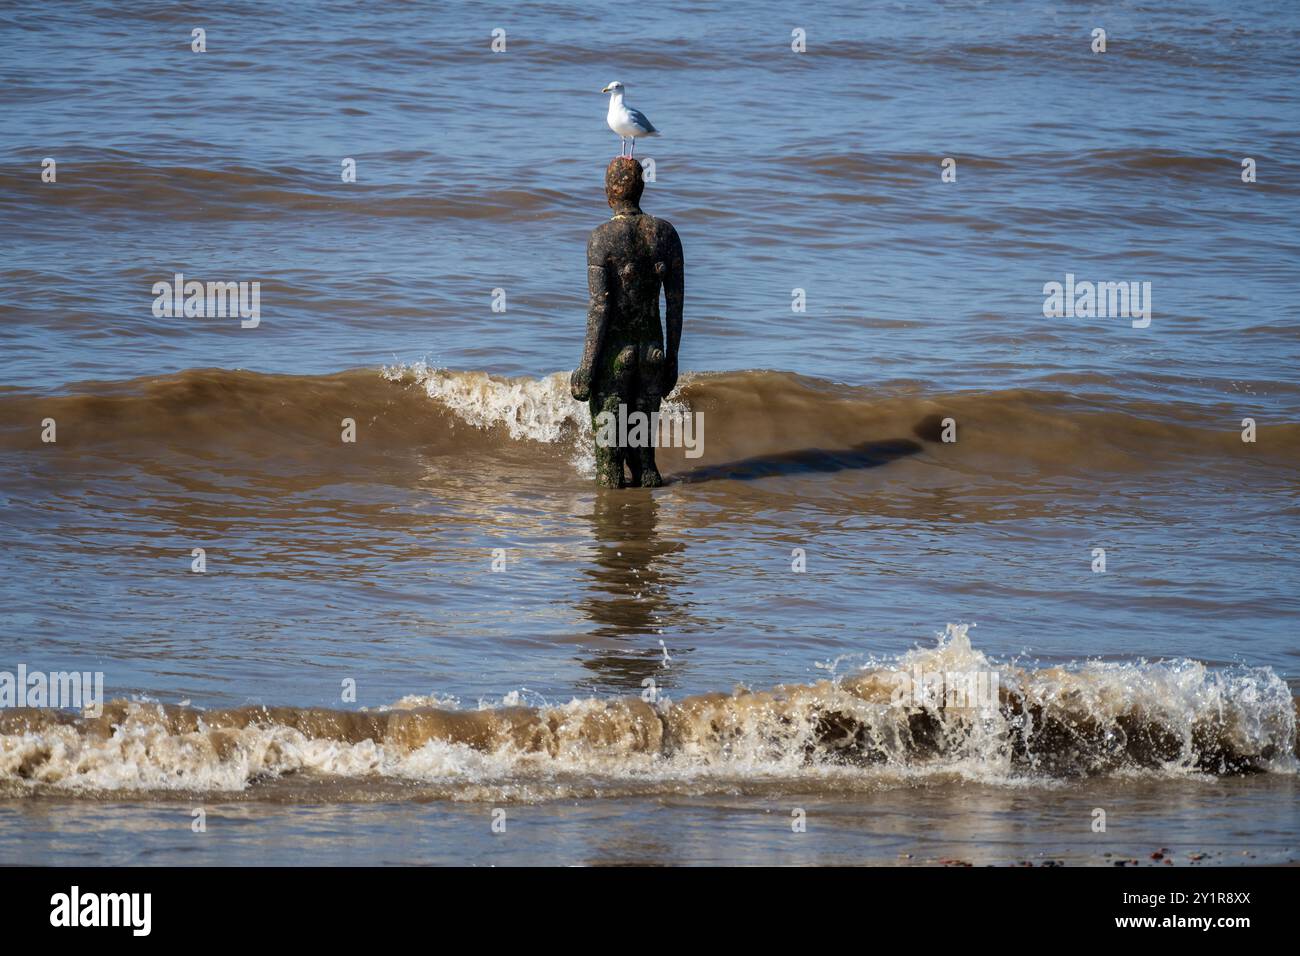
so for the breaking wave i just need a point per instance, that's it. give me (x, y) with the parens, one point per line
(861, 729)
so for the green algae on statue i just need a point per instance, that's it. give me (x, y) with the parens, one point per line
(626, 360)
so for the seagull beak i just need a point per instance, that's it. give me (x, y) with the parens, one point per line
(605, 90)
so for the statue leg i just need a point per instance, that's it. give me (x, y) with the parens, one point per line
(616, 387)
(609, 457)
(645, 473)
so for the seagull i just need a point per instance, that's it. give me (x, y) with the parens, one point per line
(624, 120)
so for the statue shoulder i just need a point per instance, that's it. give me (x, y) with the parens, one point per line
(664, 228)
(601, 238)
(667, 236)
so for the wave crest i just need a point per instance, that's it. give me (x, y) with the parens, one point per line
(1168, 719)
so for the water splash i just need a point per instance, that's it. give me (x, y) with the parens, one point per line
(1167, 719)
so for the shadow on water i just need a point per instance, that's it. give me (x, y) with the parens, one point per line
(871, 454)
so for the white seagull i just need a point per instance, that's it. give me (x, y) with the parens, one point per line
(624, 120)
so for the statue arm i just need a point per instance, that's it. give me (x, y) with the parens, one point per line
(674, 294)
(597, 322)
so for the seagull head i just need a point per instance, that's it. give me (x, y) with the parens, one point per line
(614, 87)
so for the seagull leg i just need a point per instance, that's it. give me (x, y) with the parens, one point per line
(634, 147)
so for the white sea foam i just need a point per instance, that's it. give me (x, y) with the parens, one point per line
(1170, 719)
(529, 409)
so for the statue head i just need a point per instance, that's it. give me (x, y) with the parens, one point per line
(623, 182)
